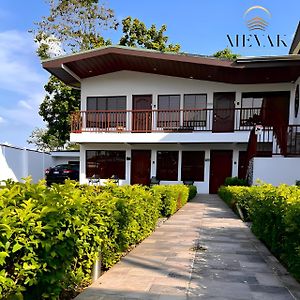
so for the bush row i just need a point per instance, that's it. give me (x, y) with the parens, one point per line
(51, 237)
(275, 216)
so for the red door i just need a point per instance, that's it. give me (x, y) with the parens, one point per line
(223, 112)
(140, 166)
(220, 168)
(142, 113)
(242, 164)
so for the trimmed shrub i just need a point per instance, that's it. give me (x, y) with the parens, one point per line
(236, 196)
(235, 181)
(275, 216)
(192, 192)
(172, 197)
(51, 237)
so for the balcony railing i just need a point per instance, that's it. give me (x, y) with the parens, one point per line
(272, 140)
(183, 120)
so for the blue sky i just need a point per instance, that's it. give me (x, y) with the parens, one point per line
(199, 26)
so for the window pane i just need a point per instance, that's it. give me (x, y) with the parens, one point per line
(104, 164)
(101, 103)
(195, 119)
(168, 119)
(92, 165)
(192, 167)
(251, 111)
(247, 102)
(163, 102)
(200, 101)
(257, 102)
(91, 103)
(111, 103)
(167, 165)
(174, 102)
(189, 102)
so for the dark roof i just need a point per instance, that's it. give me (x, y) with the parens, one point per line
(295, 47)
(72, 68)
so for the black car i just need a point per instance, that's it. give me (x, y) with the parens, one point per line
(60, 173)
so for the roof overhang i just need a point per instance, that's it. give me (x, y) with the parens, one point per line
(71, 69)
(295, 47)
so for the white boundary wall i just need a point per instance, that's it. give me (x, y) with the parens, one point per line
(17, 163)
(276, 170)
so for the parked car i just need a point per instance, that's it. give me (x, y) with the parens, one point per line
(60, 173)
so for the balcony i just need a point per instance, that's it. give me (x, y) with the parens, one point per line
(166, 121)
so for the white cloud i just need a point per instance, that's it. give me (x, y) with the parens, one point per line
(25, 113)
(18, 72)
(21, 85)
(25, 104)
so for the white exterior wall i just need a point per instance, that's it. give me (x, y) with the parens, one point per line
(128, 83)
(276, 170)
(203, 187)
(18, 163)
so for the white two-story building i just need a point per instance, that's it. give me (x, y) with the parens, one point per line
(181, 117)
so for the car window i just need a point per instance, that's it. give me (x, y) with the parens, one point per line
(62, 167)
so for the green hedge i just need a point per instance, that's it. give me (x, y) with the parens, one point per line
(51, 237)
(275, 216)
(173, 197)
(235, 181)
(192, 191)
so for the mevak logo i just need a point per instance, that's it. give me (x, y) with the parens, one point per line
(257, 19)
(257, 22)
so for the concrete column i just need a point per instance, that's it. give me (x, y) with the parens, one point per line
(153, 163)
(25, 163)
(179, 165)
(235, 163)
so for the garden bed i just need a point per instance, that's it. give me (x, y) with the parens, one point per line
(51, 237)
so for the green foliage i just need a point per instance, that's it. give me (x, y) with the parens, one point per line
(192, 191)
(236, 195)
(173, 197)
(72, 26)
(226, 54)
(60, 101)
(136, 34)
(275, 216)
(51, 237)
(56, 109)
(235, 181)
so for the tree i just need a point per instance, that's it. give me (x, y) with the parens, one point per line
(72, 26)
(37, 138)
(136, 34)
(227, 54)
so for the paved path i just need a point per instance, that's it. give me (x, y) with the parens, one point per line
(202, 252)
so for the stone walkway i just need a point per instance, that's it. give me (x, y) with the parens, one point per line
(202, 252)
